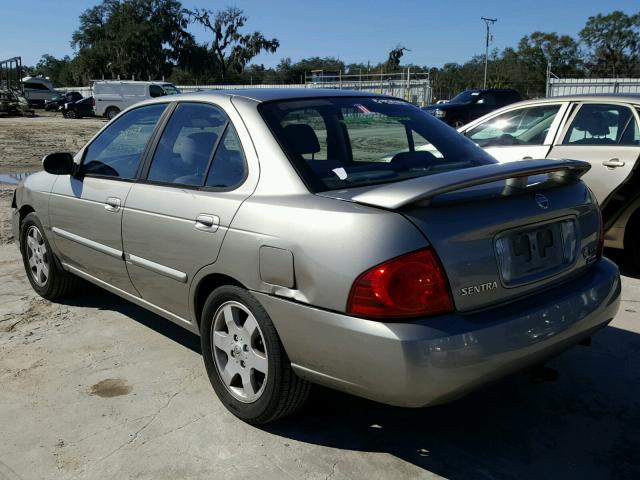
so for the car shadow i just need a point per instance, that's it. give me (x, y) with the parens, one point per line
(96, 297)
(584, 425)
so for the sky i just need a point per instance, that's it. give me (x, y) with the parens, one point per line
(436, 31)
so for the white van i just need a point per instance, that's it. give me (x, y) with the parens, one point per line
(112, 96)
(37, 90)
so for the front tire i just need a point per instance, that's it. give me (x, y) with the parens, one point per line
(245, 360)
(43, 269)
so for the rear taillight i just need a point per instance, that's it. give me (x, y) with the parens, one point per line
(408, 286)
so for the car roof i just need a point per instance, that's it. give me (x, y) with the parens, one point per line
(610, 97)
(490, 90)
(272, 94)
(131, 82)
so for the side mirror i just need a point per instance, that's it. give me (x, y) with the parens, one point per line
(59, 163)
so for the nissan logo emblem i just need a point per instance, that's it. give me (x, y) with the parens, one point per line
(542, 201)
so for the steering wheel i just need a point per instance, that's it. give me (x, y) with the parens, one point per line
(507, 139)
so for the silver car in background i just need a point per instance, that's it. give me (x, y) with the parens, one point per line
(603, 130)
(316, 236)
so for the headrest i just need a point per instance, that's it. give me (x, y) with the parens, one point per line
(302, 138)
(414, 158)
(595, 123)
(199, 143)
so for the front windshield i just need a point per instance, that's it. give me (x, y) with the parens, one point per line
(344, 142)
(170, 89)
(467, 96)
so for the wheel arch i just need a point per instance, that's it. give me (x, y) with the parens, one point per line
(205, 286)
(23, 211)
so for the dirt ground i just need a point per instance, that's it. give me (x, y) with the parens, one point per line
(93, 387)
(6, 193)
(24, 141)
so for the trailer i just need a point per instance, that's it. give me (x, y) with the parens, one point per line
(12, 99)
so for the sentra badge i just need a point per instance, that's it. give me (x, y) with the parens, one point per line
(480, 288)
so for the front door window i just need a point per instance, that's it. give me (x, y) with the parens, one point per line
(117, 151)
(523, 126)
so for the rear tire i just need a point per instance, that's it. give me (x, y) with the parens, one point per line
(43, 269)
(70, 114)
(112, 112)
(632, 241)
(245, 360)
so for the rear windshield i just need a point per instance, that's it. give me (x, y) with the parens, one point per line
(336, 143)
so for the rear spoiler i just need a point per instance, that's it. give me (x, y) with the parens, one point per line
(422, 189)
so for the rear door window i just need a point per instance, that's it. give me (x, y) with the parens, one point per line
(198, 147)
(117, 151)
(631, 135)
(187, 144)
(524, 126)
(228, 168)
(598, 124)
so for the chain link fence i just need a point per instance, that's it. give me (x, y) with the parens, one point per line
(592, 86)
(415, 88)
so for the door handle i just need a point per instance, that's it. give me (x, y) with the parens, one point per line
(527, 158)
(207, 222)
(112, 204)
(613, 163)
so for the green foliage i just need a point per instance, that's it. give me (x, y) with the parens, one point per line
(150, 39)
(130, 38)
(231, 49)
(60, 71)
(614, 43)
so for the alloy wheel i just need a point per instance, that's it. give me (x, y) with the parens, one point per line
(37, 256)
(239, 352)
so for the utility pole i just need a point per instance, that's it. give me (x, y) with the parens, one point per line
(488, 22)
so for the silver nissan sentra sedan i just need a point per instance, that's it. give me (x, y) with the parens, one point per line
(319, 236)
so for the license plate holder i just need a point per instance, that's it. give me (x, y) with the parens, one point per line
(531, 253)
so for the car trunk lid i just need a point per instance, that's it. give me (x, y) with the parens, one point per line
(500, 231)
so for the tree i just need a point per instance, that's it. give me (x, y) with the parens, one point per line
(614, 40)
(561, 52)
(537, 51)
(393, 62)
(231, 49)
(59, 70)
(140, 38)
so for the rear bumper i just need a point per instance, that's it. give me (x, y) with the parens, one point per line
(438, 359)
